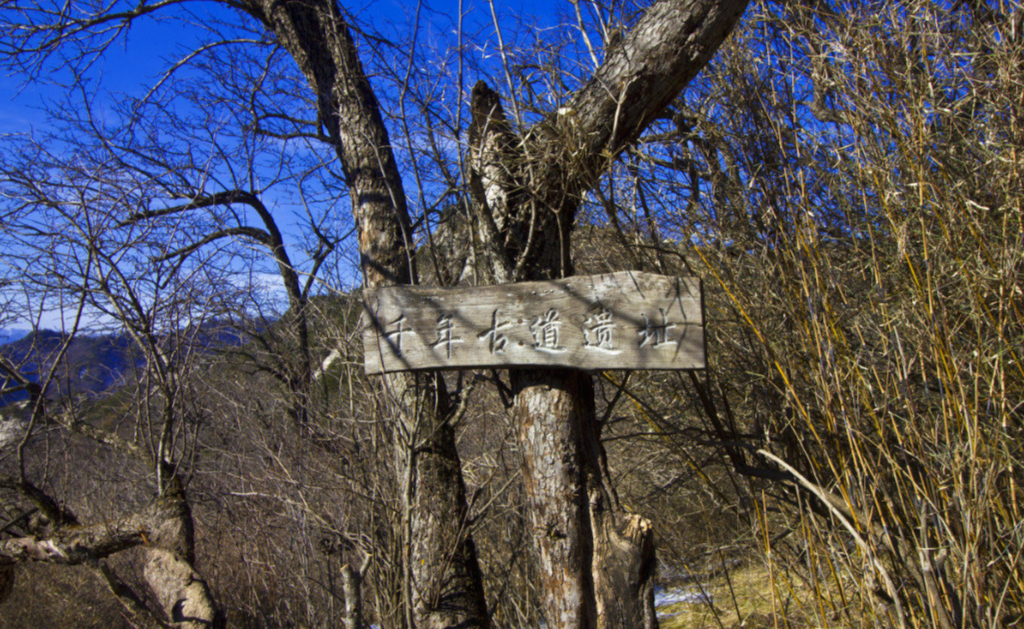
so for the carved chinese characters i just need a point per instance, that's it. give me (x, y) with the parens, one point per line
(617, 321)
(444, 334)
(496, 339)
(598, 332)
(545, 332)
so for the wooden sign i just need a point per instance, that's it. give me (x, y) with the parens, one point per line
(618, 321)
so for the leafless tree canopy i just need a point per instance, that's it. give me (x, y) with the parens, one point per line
(187, 437)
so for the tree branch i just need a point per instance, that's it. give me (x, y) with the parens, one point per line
(45, 30)
(657, 58)
(252, 233)
(70, 545)
(45, 503)
(226, 197)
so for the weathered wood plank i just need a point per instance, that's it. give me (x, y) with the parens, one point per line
(623, 320)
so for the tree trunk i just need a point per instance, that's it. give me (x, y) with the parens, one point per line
(595, 562)
(551, 410)
(179, 589)
(445, 587)
(352, 585)
(623, 563)
(164, 528)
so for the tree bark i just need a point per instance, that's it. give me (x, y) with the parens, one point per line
(595, 561)
(182, 593)
(445, 588)
(72, 544)
(352, 586)
(164, 528)
(551, 410)
(623, 562)
(595, 564)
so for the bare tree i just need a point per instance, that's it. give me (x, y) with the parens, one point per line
(64, 226)
(595, 560)
(825, 177)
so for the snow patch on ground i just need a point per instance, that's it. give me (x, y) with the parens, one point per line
(693, 595)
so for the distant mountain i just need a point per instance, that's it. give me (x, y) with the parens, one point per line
(11, 335)
(93, 364)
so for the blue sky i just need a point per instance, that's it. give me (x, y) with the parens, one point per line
(132, 65)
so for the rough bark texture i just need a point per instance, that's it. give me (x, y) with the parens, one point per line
(352, 587)
(623, 561)
(445, 588)
(493, 181)
(551, 408)
(316, 36)
(164, 528)
(73, 544)
(650, 67)
(623, 568)
(595, 562)
(181, 592)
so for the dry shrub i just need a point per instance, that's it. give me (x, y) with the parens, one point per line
(846, 179)
(52, 597)
(858, 224)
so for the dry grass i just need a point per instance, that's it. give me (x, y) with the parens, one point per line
(752, 597)
(860, 243)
